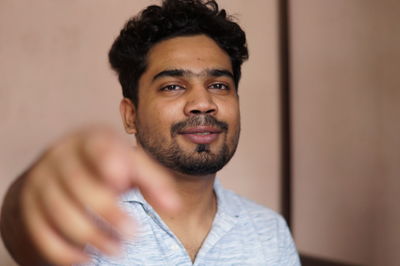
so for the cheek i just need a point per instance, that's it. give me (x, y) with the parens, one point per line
(231, 113)
(158, 117)
(233, 119)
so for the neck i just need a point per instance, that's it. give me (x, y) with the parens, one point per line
(192, 223)
(196, 195)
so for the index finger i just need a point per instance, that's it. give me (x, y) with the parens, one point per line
(122, 167)
(154, 181)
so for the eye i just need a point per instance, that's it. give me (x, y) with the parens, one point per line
(219, 86)
(172, 87)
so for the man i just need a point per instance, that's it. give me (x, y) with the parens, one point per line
(179, 67)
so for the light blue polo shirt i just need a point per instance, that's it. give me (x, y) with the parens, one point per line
(242, 233)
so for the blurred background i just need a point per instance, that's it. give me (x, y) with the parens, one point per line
(320, 103)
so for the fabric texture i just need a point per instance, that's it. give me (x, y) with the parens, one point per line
(242, 233)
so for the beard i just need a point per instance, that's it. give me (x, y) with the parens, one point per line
(199, 161)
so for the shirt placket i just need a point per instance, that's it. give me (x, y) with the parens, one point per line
(174, 251)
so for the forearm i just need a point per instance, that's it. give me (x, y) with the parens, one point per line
(13, 230)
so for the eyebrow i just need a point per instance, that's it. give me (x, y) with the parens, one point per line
(183, 72)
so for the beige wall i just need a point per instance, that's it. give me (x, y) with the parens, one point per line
(55, 78)
(387, 223)
(346, 61)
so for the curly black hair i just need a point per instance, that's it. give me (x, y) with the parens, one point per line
(128, 54)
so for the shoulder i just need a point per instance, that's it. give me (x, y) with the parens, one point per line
(270, 228)
(267, 222)
(250, 208)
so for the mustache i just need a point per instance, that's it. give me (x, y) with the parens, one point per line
(196, 121)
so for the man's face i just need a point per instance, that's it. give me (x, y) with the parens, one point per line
(188, 113)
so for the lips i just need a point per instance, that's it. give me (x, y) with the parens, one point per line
(201, 134)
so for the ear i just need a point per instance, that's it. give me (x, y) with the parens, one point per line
(128, 115)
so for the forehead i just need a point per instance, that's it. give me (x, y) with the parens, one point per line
(196, 53)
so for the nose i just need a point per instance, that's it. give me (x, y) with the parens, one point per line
(200, 101)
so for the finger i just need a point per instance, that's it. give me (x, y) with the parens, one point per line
(48, 242)
(107, 154)
(121, 167)
(153, 180)
(72, 222)
(89, 193)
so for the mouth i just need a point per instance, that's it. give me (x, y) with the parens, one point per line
(201, 134)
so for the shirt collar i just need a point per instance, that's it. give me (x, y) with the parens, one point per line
(226, 205)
